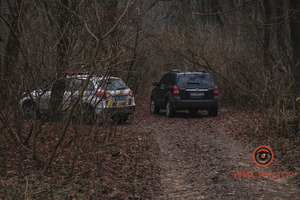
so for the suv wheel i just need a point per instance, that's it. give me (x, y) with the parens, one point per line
(153, 107)
(169, 110)
(213, 112)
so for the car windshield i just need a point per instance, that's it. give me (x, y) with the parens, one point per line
(77, 84)
(201, 80)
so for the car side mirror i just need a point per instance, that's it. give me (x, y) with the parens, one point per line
(155, 84)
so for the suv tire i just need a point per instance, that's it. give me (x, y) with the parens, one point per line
(169, 110)
(213, 112)
(153, 107)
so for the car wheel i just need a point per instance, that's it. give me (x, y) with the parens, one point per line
(104, 117)
(28, 110)
(193, 111)
(120, 119)
(153, 107)
(123, 119)
(213, 112)
(169, 110)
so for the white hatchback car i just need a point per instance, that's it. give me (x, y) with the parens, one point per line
(108, 96)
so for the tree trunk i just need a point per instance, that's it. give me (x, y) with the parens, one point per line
(216, 8)
(111, 7)
(281, 31)
(58, 87)
(267, 34)
(295, 38)
(11, 52)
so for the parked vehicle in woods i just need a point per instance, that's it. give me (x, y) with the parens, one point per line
(108, 96)
(191, 91)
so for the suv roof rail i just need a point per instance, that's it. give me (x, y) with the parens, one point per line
(175, 70)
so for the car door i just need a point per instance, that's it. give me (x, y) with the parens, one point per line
(68, 94)
(73, 86)
(44, 101)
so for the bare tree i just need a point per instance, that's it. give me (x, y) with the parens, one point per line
(63, 48)
(12, 48)
(295, 38)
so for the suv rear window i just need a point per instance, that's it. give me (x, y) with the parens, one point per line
(202, 80)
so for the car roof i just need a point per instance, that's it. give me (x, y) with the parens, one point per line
(189, 73)
(192, 73)
(84, 76)
(104, 77)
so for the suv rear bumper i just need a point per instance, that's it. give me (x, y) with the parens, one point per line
(203, 104)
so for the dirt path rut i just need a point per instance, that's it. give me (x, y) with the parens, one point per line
(198, 159)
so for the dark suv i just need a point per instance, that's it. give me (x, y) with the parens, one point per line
(191, 91)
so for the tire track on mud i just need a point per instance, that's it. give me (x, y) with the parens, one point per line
(198, 160)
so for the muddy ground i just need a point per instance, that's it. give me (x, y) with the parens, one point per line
(198, 156)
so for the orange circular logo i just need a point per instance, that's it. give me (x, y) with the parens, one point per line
(263, 156)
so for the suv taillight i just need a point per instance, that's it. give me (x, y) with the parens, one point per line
(176, 91)
(104, 95)
(216, 91)
(131, 93)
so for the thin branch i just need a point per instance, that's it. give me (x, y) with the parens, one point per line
(85, 23)
(16, 137)
(118, 21)
(227, 11)
(66, 125)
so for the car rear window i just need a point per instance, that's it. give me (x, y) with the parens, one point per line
(201, 80)
(114, 84)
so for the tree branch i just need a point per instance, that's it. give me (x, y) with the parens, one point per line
(227, 11)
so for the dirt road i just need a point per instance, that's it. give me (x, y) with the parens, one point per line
(155, 157)
(198, 156)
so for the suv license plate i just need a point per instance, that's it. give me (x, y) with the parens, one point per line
(197, 94)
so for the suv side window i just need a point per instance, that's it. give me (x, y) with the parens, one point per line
(168, 79)
(164, 79)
